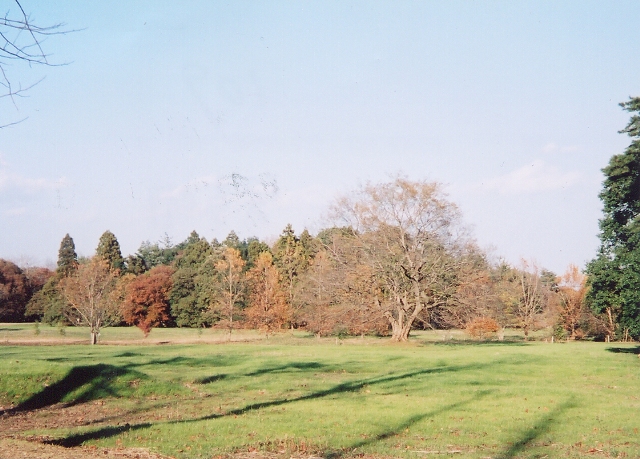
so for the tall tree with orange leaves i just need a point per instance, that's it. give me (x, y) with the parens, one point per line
(268, 307)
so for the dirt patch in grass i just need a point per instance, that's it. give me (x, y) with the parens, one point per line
(17, 443)
(13, 448)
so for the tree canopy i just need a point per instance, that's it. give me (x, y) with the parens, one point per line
(614, 275)
(109, 250)
(67, 257)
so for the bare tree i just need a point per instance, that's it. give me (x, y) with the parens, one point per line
(533, 296)
(21, 41)
(92, 297)
(411, 237)
(574, 315)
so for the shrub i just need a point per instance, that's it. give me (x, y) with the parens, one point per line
(481, 327)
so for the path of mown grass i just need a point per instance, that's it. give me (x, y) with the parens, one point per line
(495, 400)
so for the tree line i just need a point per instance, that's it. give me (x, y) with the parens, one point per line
(395, 258)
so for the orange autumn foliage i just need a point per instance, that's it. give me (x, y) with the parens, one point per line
(269, 309)
(147, 299)
(481, 327)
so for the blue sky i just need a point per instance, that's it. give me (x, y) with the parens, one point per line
(238, 115)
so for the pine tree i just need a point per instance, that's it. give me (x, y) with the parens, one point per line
(614, 275)
(287, 255)
(67, 257)
(109, 250)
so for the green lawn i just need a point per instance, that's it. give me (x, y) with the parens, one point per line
(429, 398)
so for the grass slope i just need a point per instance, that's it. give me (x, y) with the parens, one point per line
(365, 397)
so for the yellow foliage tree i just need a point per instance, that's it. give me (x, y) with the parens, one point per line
(229, 286)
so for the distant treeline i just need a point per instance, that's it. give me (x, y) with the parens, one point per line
(397, 259)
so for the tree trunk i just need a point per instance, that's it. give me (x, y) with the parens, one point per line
(400, 327)
(94, 337)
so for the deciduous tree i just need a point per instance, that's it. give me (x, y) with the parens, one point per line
(91, 296)
(21, 42)
(146, 302)
(229, 287)
(572, 290)
(411, 238)
(533, 296)
(14, 292)
(268, 308)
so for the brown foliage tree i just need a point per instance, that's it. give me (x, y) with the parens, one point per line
(572, 291)
(38, 277)
(481, 327)
(409, 235)
(14, 292)
(91, 294)
(338, 293)
(146, 302)
(268, 308)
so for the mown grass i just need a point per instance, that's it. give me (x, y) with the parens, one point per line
(27, 333)
(360, 397)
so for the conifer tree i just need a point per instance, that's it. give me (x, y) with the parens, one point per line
(614, 275)
(287, 254)
(109, 250)
(67, 257)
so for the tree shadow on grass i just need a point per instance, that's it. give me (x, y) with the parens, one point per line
(128, 354)
(288, 366)
(350, 386)
(405, 425)
(105, 432)
(210, 379)
(96, 378)
(624, 350)
(540, 428)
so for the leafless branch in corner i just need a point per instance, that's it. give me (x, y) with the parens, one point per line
(21, 42)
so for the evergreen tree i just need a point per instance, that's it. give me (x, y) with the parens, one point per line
(109, 250)
(232, 241)
(67, 257)
(193, 238)
(188, 299)
(287, 255)
(162, 252)
(614, 275)
(254, 248)
(135, 264)
(195, 252)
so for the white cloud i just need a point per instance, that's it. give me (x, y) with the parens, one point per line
(15, 211)
(12, 181)
(552, 147)
(535, 177)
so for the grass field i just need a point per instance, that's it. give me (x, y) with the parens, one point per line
(346, 398)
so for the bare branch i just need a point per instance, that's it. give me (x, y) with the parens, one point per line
(21, 41)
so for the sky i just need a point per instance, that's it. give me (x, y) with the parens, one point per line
(166, 117)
